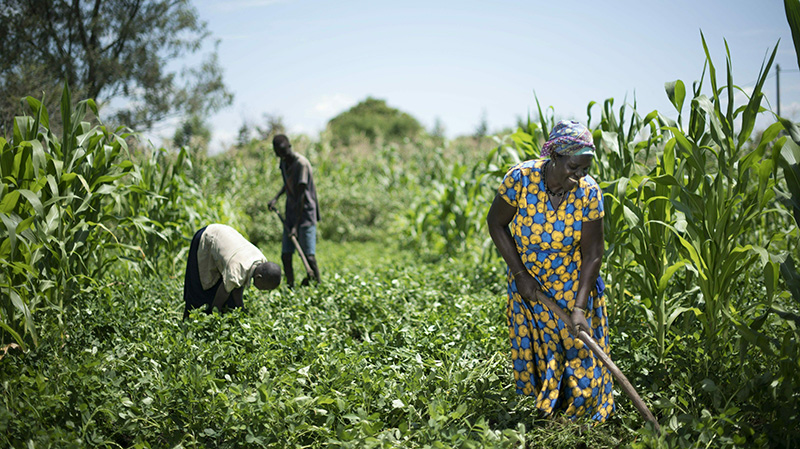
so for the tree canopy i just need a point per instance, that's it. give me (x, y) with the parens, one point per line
(373, 119)
(121, 50)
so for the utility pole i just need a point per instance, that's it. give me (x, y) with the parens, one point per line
(778, 82)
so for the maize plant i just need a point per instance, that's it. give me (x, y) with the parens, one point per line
(55, 225)
(70, 214)
(726, 186)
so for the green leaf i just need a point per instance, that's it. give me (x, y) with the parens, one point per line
(791, 152)
(11, 223)
(68, 177)
(754, 105)
(681, 139)
(667, 180)
(14, 334)
(38, 157)
(668, 157)
(678, 311)
(792, 8)
(771, 276)
(698, 263)
(791, 174)
(732, 260)
(40, 111)
(66, 120)
(34, 200)
(630, 217)
(708, 385)
(105, 179)
(609, 142)
(792, 128)
(20, 305)
(711, 110)
(9, 202)
(792, 278)
(676, 91)
(755, 338)
(668, 273)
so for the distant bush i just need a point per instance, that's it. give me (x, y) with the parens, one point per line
(374, 120)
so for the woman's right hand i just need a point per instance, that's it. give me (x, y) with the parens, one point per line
(527, 287)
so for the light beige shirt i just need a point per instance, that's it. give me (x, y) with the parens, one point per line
(225, 253)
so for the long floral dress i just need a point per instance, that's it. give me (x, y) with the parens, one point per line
(548, 362)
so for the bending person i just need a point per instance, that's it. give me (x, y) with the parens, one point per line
(555, 243)
(221, 264)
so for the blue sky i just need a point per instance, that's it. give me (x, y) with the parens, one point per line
(308, 60)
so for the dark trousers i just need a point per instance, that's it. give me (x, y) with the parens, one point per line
(193, 293)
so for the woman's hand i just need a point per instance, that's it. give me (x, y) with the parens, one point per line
(579, 322)
(527, 288)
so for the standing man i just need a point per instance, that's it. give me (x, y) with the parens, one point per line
(302, 209)
(221, 264)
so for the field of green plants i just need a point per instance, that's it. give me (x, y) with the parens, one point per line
(404, 343)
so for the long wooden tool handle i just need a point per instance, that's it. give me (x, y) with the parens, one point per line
(598, 351)
(309, 271)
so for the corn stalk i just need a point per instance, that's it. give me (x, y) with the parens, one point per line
(725, 188)
(71, 212)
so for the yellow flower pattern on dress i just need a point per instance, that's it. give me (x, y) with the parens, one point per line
(548, 363)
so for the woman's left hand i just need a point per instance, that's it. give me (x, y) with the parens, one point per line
(579, 322)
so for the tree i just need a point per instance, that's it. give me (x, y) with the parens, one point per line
(243, 137)
(119, 50)
(273, 124)
(373, 119)
(193, 131)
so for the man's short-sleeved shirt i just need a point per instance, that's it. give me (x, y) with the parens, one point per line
(225, 253)
(296, 173)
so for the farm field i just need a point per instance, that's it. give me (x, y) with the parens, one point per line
(386, 352)
(405, 342)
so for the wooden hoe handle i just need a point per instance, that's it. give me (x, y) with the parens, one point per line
(296, 244)
(309, 271)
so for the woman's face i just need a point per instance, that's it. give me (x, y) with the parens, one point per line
(570, 169)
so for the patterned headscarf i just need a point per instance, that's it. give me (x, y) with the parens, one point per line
(569, 138)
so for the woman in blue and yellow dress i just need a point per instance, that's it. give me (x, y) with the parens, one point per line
(555, 243)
